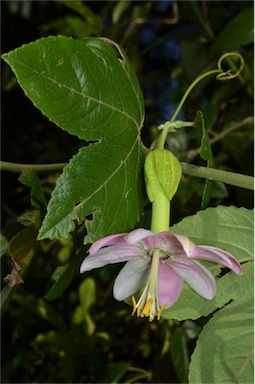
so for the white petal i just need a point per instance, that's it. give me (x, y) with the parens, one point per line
(196, 275)
(110, 255)
(132, 277)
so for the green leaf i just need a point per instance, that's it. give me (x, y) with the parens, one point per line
(206, 154)
(229, 358)
(229, 228)
(32, 180)
(237, 33)
(89, 89)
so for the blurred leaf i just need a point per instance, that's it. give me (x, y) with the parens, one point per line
(4, 243)
(87, 296)
(87, 293)
(237, 33)
(118, 10)
(180, 353)
(192, 49)
(37, 196)
(90, 90)
(229, 359)
(43, 309)
(23, 245)
(114, 372)
(63, 276)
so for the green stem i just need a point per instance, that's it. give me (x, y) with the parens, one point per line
(162, 139)
(19, 168)
(231, 178)
(160, 218)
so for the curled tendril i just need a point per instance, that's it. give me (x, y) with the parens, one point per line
(232, 72)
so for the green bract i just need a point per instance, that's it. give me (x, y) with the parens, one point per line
(162, 174)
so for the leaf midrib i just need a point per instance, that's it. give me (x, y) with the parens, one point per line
(74, 91)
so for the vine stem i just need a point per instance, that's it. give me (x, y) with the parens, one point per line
(231, 178)
(19, 168)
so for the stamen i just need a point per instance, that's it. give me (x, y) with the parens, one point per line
(147, 307)
(134, 305)
(161, 310)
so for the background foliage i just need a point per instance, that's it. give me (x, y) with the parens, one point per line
(53, 334)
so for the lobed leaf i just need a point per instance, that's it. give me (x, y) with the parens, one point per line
(89, 89)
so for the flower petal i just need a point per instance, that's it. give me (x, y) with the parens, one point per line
(138, 234)
(219, 256)
(169, 285)
(131, 278)
(189, 248)
(196, 275)
(118, 239)
(111, 255)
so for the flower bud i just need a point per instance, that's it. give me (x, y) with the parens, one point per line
(162, 173)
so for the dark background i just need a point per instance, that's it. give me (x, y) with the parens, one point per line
(169, 44)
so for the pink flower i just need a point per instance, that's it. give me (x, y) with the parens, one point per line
(158, 264)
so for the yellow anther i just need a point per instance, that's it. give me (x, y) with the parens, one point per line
(147, 307)
(161, 310)
(134, 305)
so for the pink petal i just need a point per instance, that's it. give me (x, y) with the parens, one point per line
(172, 246)
(111, 255)
(131, 278)
(118, 239)
(188, 246)
(169, 285)
(219, 256)
(196, 275)
(137, 235)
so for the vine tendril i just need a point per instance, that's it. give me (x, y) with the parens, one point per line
(231, 73)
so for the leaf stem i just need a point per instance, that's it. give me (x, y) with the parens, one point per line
(231, 178)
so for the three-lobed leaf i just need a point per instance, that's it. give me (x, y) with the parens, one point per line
(89, 89)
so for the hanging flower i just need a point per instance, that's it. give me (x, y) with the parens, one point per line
(158, 264)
